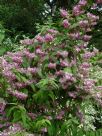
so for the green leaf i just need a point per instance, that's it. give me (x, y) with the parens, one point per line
(24, 116)
(51, 95)
(33, 87)
(43, 123)
(2, 51)
(16, 116)
(11, 110)
(69, 70)
(2, 34)
(39, 96)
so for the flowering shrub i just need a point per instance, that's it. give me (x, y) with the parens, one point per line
(45, 86)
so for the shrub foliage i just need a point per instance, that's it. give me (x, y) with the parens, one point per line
(49, 87)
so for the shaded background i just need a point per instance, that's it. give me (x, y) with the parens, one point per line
(21, 16)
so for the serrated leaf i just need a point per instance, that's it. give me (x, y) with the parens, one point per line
(51, 95)
(43, 123)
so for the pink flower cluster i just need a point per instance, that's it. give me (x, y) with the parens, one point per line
(18, 94)
(67, 80)
(49, 38)
(12, 130)
(2, 106)
(65, 23)
(52, 31)
(89, 84)
(63, 13)
(60, 115)
(27, 41)
(39, 38)
(78, 9)
(92, 18)
(84, 23)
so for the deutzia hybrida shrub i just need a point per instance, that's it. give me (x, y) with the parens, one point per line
(44, 85)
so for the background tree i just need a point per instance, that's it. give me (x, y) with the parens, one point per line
(21, 15)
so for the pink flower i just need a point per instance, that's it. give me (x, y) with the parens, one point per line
(72, 94)
(49, 117)
(65, 23)
(88, 55)
(29, 82)
(40, 52)
(44, 130)
(18, 94)
(9, 75)
(66, 80)
(60, 115)
(86, 38)
(20, 85)
(40, 38)
(94, 23)
(83, 2)
(83, 46)
(64, 63)
(85, 65)
(73, 62)
(94, 6)
(16, 127)
(77, 10)
(27, 41)
(11, 130)
(18, 60)
(92, 17)
(22, 70)
(69, 77)
(48, 38)
(88, 84)
(63, 54)
(2, 106)
(52, 65)
(80, 115)
(32, 70)
(28, 54)
(52, 31)
(60, 73)
(63, 13)
(84, 69)
(75, 36)
(77, 49)
(99, 88)
(83, 23)
(32, 115)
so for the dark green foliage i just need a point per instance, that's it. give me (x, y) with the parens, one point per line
(21, 15)
(97, 35)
